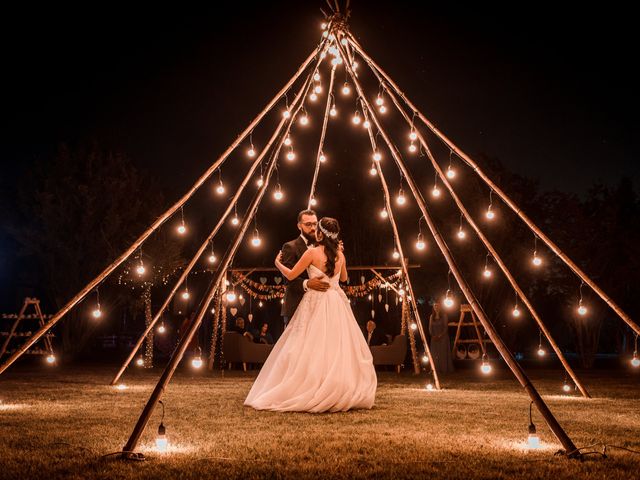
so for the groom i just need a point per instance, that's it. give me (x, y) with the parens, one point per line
(291, 253)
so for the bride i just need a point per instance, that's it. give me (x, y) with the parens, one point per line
(321, 363)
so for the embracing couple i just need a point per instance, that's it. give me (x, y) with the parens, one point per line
(321, 363)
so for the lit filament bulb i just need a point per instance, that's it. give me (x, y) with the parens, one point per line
(566, 387)
(313, 202)
(162, 328)
(333, 112)
(322, 158)
(287, 141)
(487, 272)
(251, 152)
(448, 301)
(582, 310)
(317, 89)
(429, 387)
(346, 90)
(286, 114)
(541, 351)
(420, 245)
(382, 109)
(377, 156)
(291, 156)
(413, 135)
(256, 241)
(373, 171)
(235, 221)
(278, 194)
(414, 326)
(51, 359)
(212, 258)
(451, 173)
(425, 359)
(140, 361)
(490, 213)
(516, 312)
(316, 77)
(384, 213)
(435, 192)
(379, 101)
(231, 296)
(485, 367)
(536, 260)
(461, 234)
(140, 270)
(97, 313)
(313, 97)
(182, 229)
(196, 362)
(366, 124)
(220, 188)
(356, 118)
(304, 119)
(413, 148)
(185, 294)
(396, 254)
(400, 199)
(635, 361)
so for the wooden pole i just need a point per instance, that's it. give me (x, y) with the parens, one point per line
(215, 284)
(322, 135)
(505, 198)
(488, 245)
(205, 244)
(555, 427)
(159, 221)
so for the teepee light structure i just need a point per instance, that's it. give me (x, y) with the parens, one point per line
(340, 48)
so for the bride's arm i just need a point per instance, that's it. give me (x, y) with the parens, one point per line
(298, 268)
(344, 276)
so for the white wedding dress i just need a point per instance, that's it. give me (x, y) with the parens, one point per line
(321, 363)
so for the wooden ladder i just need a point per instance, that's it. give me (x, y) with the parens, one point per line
(48, 350)
(472, 322)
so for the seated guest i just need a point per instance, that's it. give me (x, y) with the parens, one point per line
(240, 328)
(374, 336)
(263, 336)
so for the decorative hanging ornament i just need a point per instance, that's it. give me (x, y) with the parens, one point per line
(233, 311)
(263, 280)
(379, 298)
(250, 317)
(278, 280)
(241, 300)
(386, 307)
(373, 313)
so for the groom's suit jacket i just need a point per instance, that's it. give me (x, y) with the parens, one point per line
(291, 253)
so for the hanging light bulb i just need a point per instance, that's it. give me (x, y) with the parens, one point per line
(377, 156)
(161, 439)
(260, 304)
(322, 158)
(140, 361)
(97, 313)
(425, 358)
(356, 118)
(451, 173)
(235, 221)
(420, 245)
(635, 361)
(396, 254)
(343, 41)
(487, 272)
(346, 90)
(373, 171)
(384, 213)
(140, 270)
(231, 296)
(196, 362)
(354, 65)
(317, 89)
(220, 188)
(461, 234)
(582, 310)
(413, 135)
(286, 113)
(400, 199)
(566, 386)
(185, 294)
(256, 241)
(212, 258)
(251, 152)
(336, 61)
(313, 202)
(541, 351)
(316, 77)
(366, 124)
(435, 192)
(288, 141)
(485, 367)
(260, 181)
(162, 328)
(516, 311)
(448, 301)
(313, 97)
(182, 229)
(490, 213)
(278, 193)
(379, 100)
(304, 119)
(412, 148)
(536, 260)
(414, 326)
(291, 156)
(382, 109)
(51, 359)
(333, 112)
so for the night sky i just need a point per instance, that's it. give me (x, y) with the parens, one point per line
(549, 91)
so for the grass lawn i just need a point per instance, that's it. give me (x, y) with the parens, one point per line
(57, 423)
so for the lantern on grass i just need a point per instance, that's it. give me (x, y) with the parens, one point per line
(161, 439)
(196, 362)
(485, 367)
(533, 440)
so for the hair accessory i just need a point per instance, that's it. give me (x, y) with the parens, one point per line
(329, 234)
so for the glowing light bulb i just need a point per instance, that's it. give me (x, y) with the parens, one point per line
(140, 270)
(316, 77)
(140, 361)
(231, 297)
(516, 312)
(400, 199)
(396, 254)
(382, 109)
(485, 368)
(451, 173)
(323, 26)
(260, 304)
(366, 124)
(235, 221)
(220, 189)
(435, 192)
(185, 295)
(346, 90)
(582, 310)
(356, 118)
(251, 152)
(182, 229)
(448, 301)
(162, 328)
(313, 202)
(324, 34)
(344, 41)
(412, 148)
(304, 120)
(212, 258)
(384, 213)
(487, 273)
(425, 359)
(97, 313)
(286, 114)
(336, 61)
(51, 359)
(278, 195)
(256, 241)
(121, 386)
(429, 387)
(322, 158)
(566, 387)
(461, 234)
(536, 260)
(373, 171)
(420, 245)
(541, 352)
(414, 326)
(196, 362)
(313, 97)
(288, 141)
(317, 89)
(377, 156)
(333, 112)
(413, 135)
(379, 100)
(490, 214)
(323, 55)
(291, 156)
(635, 361)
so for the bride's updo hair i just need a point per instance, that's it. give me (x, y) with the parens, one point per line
(332, 227)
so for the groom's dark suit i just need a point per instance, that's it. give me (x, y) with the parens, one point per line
(291, 253)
